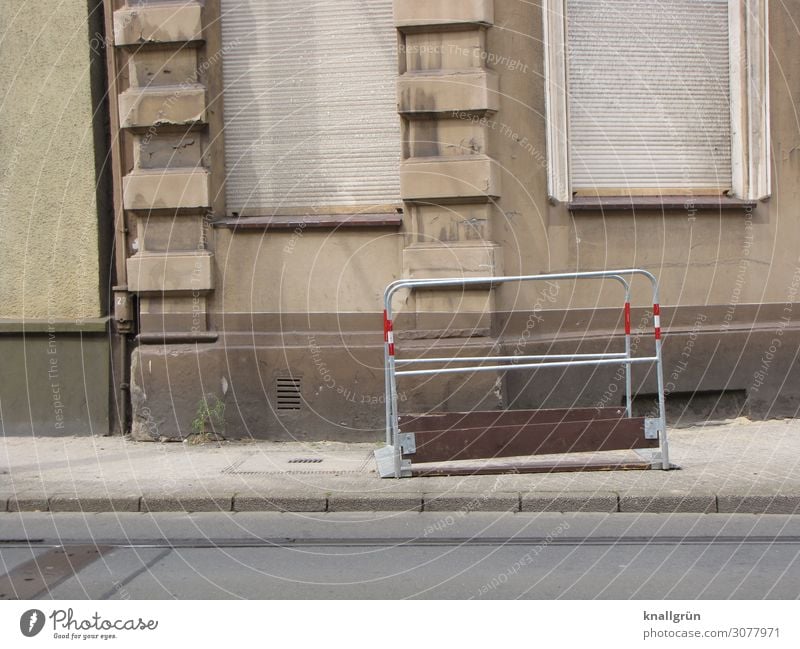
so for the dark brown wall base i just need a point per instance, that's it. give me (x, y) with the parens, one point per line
(760, 363)
(309, 386)
(312, 385)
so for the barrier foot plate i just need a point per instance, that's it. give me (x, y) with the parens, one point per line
(386, 460)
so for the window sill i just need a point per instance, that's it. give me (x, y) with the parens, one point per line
(658, 203)
(311, 221)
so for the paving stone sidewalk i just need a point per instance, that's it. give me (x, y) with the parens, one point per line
(738, 466)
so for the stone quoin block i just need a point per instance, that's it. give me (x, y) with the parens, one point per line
(172, 22)
(478, 259)
(473, 91)
(470, 178)
(162, 105)
(166, 189)
(190, 271)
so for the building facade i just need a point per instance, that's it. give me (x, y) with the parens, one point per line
(276, 165)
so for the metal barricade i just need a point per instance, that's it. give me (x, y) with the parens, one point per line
(390, 458)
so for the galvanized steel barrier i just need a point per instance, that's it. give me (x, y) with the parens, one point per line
(390, 460)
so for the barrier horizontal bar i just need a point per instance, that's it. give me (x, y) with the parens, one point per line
(618, 275)
(478, 359)
(528, 366)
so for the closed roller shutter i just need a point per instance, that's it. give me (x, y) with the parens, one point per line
(310, 109)
(649, 95)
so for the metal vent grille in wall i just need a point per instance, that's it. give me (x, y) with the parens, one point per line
(288, 392)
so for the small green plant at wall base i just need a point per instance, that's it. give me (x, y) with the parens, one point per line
(208, 424)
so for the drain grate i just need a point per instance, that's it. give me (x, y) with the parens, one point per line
(287, 392)
(305, 460)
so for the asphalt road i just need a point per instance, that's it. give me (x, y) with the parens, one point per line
(428, 555)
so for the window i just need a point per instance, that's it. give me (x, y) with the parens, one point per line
(310, 112)
(657, 98)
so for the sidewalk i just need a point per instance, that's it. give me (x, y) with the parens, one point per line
(738, 466)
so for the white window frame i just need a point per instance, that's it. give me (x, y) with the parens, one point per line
(749, 78)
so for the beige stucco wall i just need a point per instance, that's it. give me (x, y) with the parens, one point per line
(48, 219)
(305, 271)
(733, 257)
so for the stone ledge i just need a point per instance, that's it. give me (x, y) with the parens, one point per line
(419, 15)
(469, 178)
(657, 203)
(166, 189)
(310, 221)
(177, 337)
(151, 272)
(24, 326)
(172, 22)
(448, 92)
(163, 106)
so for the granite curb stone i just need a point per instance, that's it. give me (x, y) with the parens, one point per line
(753, 504)
(94, 504)
(280, 503)
(481, 502)
(375, 502)
(669, 504)
(598, 502)
(187, 504)
(27, 504)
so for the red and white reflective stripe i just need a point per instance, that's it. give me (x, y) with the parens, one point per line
(657, 320)
(627, 318)
(388, 333)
